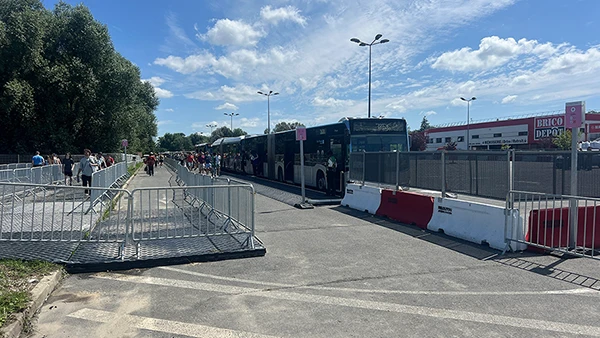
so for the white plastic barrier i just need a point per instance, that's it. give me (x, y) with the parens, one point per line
(363, 198)
(474, 222)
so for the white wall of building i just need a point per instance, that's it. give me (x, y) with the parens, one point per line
(494, 136)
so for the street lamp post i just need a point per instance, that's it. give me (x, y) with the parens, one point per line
(468, 121)
(211, 126)
(268, 95)
(376, 41)
(232, 114)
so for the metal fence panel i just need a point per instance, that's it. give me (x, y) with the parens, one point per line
(562, 223)
(550, 172)
(426, 170)
(382, 168)
(57, 213)
(482, 174)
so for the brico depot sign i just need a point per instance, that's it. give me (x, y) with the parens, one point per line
(548, 126)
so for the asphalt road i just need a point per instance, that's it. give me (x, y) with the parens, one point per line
(335, 272)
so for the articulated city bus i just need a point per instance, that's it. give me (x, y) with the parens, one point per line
(277, 156)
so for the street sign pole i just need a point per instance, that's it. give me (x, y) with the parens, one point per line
(302, 171)
(574, 118)
(301, 136)
(125, 143)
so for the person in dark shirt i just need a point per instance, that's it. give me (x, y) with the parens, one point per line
(67, 165)
(150, 162)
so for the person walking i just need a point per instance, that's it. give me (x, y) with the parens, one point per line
(150, 162)
(67, 165)
(331, 173)
(87, 166)
(37, 160)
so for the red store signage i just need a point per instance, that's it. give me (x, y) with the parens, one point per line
(594, 128)
(548, 126)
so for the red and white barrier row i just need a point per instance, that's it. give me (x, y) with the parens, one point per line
(473, 222)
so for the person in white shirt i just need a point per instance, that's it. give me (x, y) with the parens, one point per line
(87, 166)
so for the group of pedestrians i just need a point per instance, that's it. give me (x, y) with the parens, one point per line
(38, 160)
(203, 162)
(88, 164)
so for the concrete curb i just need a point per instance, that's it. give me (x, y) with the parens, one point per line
(39, 294)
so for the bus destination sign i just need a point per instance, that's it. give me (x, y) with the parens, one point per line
(378, 126)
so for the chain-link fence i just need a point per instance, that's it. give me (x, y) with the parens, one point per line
(384, 168)
(550, 173)
(489, 174)
(484, 174)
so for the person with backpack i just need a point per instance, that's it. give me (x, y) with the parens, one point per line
(331, 173)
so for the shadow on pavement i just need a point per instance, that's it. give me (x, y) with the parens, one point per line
(265, 187)
(515, 260)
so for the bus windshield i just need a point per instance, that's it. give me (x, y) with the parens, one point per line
(378, 143)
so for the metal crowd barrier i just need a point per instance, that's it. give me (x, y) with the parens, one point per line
(58, 213)
(226, 205)
(561, 223)
(14, 166)
(107, 178)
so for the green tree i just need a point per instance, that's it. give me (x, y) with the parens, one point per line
(197, 138)
(283, 126)
(563, 141)
(424, 124)
(175, 142)
(63, 87)
(220, 132)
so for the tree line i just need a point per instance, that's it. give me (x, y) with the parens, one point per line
(64, 87)
(181, 142)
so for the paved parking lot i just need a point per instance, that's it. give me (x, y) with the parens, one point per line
(335, 272)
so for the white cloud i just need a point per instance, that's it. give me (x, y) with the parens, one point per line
(227, 106)
(493, 52)
(241, 64)
(289, 13)
(509, 99)
(227, 32)
(155, 81)
(162, 93)
(428, 113)
(331, 102)
(170, 110)
(457, 102)
(188, 65)
(177, 32)
(246, 122)
(239, 93)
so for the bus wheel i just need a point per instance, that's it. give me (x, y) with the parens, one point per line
(321, 182)
(280, 175)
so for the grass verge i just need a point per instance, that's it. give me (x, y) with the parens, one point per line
(16, 282)
(132, 169)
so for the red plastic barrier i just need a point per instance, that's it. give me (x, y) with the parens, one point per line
(406, 207)
(550, 227)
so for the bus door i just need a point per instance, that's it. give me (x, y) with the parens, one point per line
(288, 160)
(336, 147)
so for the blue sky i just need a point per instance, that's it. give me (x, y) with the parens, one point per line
(208, 58)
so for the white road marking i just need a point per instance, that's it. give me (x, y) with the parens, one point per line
(162, 325)
(370, 305)
(403, 292)
(178, 283)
